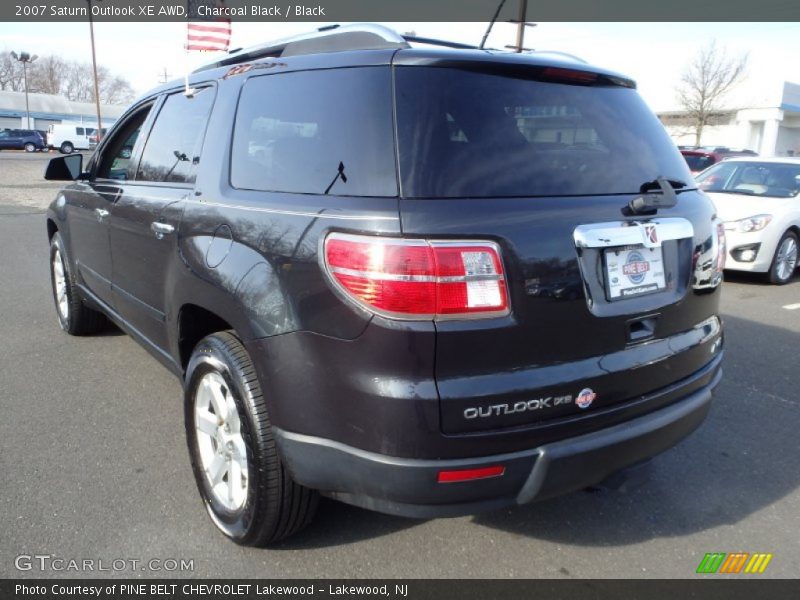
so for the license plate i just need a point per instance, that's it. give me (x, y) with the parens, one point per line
(633, 271)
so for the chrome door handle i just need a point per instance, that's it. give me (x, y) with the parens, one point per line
(161, 229)
(101, 213)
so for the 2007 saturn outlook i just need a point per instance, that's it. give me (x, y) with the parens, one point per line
(426, 281)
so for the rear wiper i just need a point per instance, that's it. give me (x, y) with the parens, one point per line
(650, 203)
(339, 175)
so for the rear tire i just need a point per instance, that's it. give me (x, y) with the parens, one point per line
(784, 262)
(30, 147)
(74, 316)
(67, 148)
(248, 493)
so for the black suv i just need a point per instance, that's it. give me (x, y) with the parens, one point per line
(423, 281)
(21, 139)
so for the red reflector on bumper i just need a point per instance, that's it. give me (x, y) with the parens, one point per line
(470, 474)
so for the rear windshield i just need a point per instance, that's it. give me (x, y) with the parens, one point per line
(472, 134)
(775, 180)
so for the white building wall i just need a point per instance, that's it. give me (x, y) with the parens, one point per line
(771, 130)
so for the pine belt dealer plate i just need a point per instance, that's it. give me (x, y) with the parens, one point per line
(633, 271)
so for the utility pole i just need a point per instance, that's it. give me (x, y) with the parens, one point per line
(523, 12)
(521, 25)
(25, 59)
(94, 69)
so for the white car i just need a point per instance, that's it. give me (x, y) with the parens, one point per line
(757, 198)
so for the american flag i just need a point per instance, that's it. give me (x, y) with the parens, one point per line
(207, 33)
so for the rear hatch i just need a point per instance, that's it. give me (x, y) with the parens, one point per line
(544, 161)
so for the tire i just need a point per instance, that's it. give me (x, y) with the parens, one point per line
(67, 148)
(248, 494)
(785, 260)
(30, 147)
(74, 316)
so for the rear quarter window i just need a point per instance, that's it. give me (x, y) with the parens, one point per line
(316, 132)
(476, 134)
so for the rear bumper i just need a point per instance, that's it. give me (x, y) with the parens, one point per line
(410, 487)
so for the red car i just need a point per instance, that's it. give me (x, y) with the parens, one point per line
(699, 158)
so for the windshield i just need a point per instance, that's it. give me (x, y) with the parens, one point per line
(775, 180)
(698, 162)
(473, 134)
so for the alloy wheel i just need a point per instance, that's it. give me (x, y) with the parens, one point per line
(221, 447)
(786, 259)
(60, 286)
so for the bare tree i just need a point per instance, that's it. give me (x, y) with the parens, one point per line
(71, 79)
(47, 75)
(10, 73)
(706, 82)
(116, 90)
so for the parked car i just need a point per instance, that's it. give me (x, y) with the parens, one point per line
(68, 137)
(758, 200)
(700, 158)
(21, 139)
(352, 302)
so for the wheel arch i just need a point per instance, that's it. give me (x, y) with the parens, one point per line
(194, 322)
(52, 228)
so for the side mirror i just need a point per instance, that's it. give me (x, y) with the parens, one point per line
(64, 168)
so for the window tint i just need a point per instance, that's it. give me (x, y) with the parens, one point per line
(475, 134)
(173, 146)
(316, 132)
(116, 157)
(79, 131)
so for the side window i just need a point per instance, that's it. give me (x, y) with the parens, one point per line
(79, 131)
(173, 146)
(316, 132)
(115, 160)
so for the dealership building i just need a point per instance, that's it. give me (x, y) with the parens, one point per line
(46, 110)
(768, 122)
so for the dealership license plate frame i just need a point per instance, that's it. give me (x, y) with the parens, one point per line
(625, 287)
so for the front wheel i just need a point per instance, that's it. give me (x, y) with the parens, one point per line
(785, 261)
(73, 315)
(248, 493)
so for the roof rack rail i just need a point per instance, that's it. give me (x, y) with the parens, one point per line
(331, 38)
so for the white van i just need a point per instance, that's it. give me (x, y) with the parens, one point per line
(68, 137)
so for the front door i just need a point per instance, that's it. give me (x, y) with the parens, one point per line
(90, 204)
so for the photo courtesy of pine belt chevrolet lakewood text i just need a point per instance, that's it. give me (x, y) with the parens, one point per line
(427, 280)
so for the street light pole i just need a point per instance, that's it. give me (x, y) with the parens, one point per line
(25, 58)
(94, 70)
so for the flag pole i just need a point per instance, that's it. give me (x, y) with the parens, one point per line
(188, 91)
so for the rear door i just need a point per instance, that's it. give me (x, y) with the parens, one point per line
(145, 218)
(544, 162)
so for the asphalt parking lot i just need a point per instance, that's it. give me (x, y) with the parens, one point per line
(93, 461)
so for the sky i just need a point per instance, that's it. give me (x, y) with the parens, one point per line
(653, 54)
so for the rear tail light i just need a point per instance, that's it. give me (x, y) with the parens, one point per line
(418, 279)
